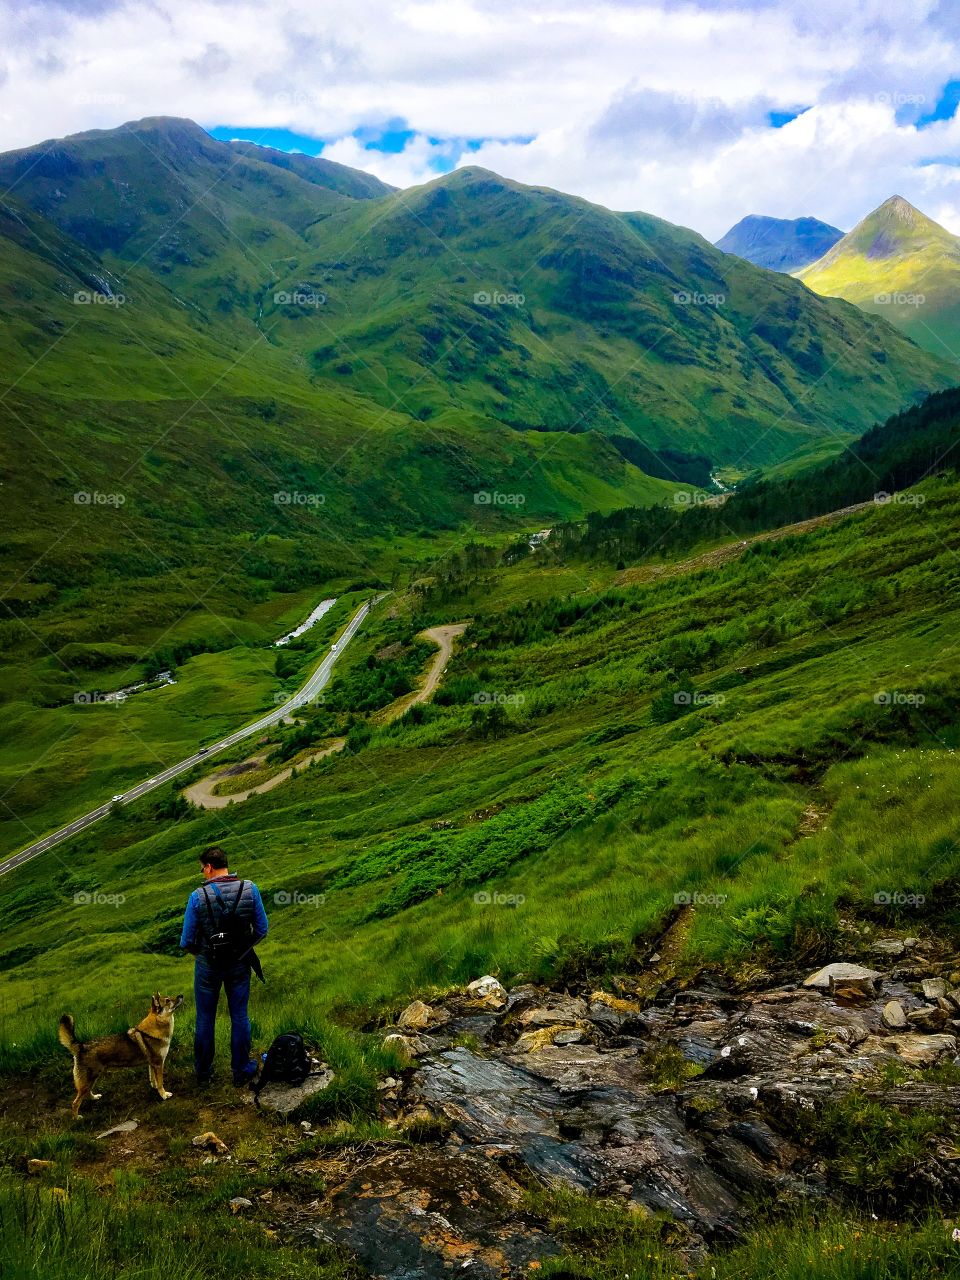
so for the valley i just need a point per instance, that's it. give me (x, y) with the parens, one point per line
(518, 590)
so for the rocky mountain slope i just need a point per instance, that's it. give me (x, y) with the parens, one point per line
(781, 244)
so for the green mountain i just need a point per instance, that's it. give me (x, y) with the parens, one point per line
(902, 265)
(780, 244)
(620, 323)
(192, 328)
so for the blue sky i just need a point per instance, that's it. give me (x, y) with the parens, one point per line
(699, 111)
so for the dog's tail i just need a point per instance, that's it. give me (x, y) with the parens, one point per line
(67, 1035)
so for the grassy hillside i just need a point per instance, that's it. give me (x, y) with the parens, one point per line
(901, 265)
(746, 731)
(546, 312)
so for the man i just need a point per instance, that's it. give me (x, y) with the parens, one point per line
(224, 921)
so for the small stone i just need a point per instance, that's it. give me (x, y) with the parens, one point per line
(211, 1142)
(568, 1037)
(889, 947)
(408, 1047)
(894, 1016)
(932, 988)
(488, 990)
(39, 1166)
(655, 958)
(387, 1083)
(417, 1016)
(240, 1204)
(307, 1127)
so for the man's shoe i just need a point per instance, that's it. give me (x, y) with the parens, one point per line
(204, 1081)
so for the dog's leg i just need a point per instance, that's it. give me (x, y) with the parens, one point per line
(158, 1081)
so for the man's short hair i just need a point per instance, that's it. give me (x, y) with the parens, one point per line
(214, 857)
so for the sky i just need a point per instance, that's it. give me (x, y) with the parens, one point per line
(698, 112)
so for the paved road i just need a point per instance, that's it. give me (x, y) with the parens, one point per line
(317, 681)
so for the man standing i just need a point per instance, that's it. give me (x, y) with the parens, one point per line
(224, 921)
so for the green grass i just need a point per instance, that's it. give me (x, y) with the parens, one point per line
(588, 810)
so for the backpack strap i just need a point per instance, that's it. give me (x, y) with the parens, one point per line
(206, 898)
(228, 915)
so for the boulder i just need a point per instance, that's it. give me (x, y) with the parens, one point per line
(932, 988)
(842, 974)
(560, 1011)
(283, 1099)
(539, 1037)
(408, 1047)
(930, 1018)
(915, 1050)
(488, 991)
(894, 1016)
(417, 1016)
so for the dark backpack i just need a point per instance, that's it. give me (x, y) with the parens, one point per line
(287, 1061)
(229, 938)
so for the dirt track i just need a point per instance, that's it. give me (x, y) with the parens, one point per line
(730, 550)
(202, 794)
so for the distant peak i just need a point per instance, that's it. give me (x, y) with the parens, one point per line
(897, 207)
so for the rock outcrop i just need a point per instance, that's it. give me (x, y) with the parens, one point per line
(692, 1104)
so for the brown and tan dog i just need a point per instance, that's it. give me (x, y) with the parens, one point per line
(148, 1041)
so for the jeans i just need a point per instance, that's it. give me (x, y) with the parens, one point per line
(207, 982)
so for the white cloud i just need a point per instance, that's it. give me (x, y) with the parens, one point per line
(658, 105)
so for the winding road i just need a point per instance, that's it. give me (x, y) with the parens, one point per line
(319, 678)
(203, 793)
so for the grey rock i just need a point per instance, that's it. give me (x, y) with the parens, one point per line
(894, 1016)
(488, 990)
(283, 1099)
(240, 1204)
(932, 988)
(559, 1010)
(841, 972)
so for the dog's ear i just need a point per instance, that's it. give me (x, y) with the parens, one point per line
(155, 1002)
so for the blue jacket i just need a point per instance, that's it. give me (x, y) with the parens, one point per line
(196, 921)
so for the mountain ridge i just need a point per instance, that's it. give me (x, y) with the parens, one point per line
(780, 244)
